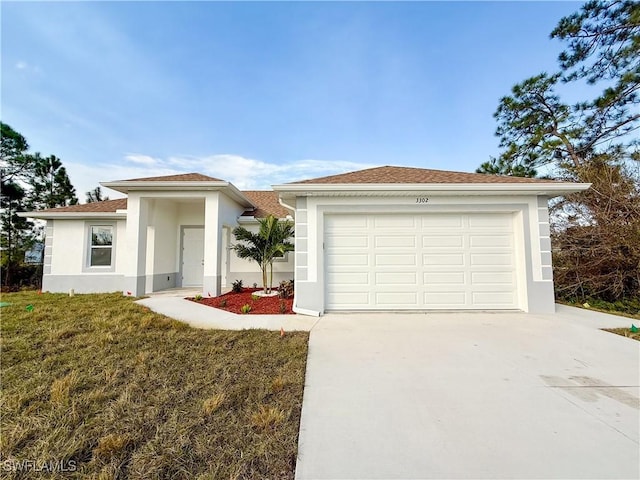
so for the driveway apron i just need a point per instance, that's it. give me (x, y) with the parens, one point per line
(470, 395)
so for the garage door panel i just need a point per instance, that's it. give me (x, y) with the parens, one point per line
(491, 259)
(347, 241)
(491, 241)
(395, 241)
(492, 278)
(443, 278)
(490, 221)
(396, 278)
(394, 221)
(437, 221)
(492, 298)
(337, 222)
(445, 299)
(396, 299)
(349, 299)
(424, 261)
(447, 241)
(348, 259)
(350, 278)
(443, 259)
(394, 259)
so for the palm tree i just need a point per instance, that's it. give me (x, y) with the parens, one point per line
(271, 242)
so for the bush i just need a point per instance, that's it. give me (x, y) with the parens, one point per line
(22, 276)
(285, 290)
(236, 287)
(246, 308)
(596, 234)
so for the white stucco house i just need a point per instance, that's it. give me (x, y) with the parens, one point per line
(386, 238)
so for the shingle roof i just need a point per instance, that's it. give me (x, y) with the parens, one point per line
(388, 174)
(266, 203)
(106, 206)
(183, 177)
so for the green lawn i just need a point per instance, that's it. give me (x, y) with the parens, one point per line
(105, 387)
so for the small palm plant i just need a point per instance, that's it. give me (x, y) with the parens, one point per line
(271, 242)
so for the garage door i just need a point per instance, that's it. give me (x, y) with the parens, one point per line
(427, 261)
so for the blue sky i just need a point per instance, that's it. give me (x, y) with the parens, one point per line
(264, 93)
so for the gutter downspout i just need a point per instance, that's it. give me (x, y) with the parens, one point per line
(285, 205)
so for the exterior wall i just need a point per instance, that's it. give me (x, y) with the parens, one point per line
(66, 258)
(191, 213)
(531, 237)
(162, 245)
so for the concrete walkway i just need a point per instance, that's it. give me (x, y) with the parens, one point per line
(201, 316)
(470, 395)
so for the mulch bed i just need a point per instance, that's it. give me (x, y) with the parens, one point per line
(233, 302)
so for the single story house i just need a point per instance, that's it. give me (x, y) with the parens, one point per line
(386, 238)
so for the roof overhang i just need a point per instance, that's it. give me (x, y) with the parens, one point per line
(551, 189)
(52, 215)
(126, 186)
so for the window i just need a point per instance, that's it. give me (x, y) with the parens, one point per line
(101, 245)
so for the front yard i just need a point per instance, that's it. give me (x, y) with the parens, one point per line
(97, 386)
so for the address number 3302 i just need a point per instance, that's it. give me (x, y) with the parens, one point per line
(422, 200)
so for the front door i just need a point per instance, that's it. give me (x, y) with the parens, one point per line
(192, 256)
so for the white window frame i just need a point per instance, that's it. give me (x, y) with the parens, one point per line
(88, 247)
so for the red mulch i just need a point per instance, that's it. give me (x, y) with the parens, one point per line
(233, 302)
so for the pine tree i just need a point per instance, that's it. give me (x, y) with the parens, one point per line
(51, 186)
(28, 182)
(95, 195)
(537, 128)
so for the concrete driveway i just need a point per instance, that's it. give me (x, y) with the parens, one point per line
(470, 395)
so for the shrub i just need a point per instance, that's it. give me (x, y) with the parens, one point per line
(285, 290)
(255, 297)
(246, 308)
(236, 287)
(223, 302)
(198, 297)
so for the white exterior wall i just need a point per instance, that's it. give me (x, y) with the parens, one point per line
(68, 247)
(190, 213)
(162, 241)
(531, 233)
(66, 257)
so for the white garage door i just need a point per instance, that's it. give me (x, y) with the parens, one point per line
(427, 261)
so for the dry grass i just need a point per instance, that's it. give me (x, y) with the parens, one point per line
(625, 332)
(267, 418)
(100, 384)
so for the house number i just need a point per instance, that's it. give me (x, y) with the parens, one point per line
(422, 200)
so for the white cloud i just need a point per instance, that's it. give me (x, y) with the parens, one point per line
(27, 67)
(141, 159)
(251, 174)
(245, 173)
